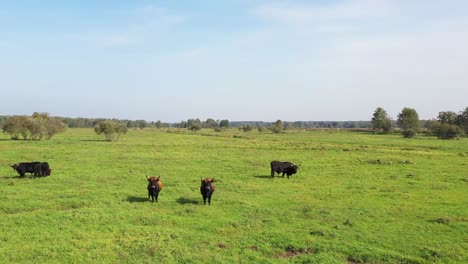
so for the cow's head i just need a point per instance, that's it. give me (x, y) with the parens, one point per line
(153, 181)
(207, 184)
(14, 166)
(294, 168)
(47, 172)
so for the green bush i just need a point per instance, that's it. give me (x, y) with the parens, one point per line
(409, 133)
(446, 131)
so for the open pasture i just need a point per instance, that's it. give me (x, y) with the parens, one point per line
(343, 206)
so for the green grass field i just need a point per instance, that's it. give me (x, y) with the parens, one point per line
(342, 206)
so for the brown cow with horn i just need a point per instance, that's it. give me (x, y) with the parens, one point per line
(154, 187)
(207, 188)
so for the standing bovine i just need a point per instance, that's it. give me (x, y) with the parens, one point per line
(283, 167)
(207, 188)
(154, 187)
(24, 167)
(42, 169)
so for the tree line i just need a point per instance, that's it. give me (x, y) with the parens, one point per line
(39, 126)
(447, 125)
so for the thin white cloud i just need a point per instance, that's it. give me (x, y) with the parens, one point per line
(144, 24)
(325, 17)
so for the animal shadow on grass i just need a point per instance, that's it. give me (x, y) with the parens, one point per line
(11, 177)
(184, 200)
(264, 176)
(137, 199)
(95, 140)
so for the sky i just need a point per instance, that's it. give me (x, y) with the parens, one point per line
(247, 60)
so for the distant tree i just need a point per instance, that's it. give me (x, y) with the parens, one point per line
(276, 127)
(462, 120)
(261, 128)
(111, 129)
(37, 126)
(447, 118)
(446, 131)
(381, 121)
(224, 123)
(408, 121)
(210, 123)
(246, 128)
(158, 124)
(54, 126)
(194, 124)
(18, 125)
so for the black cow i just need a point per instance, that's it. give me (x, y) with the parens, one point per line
(24, 167)
(207, 189)
(283, 167)
(154, 187)
(42, 169)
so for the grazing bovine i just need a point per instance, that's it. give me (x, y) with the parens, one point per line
(154, 187)
(207, 188)
(283, 167)
(42, 169)
(24, 167)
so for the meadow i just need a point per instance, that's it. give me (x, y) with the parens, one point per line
(357, 198)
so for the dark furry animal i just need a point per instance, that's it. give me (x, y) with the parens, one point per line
(154, 187)
(23, 167)
(42, 169)
(207, 189)
(285, 167)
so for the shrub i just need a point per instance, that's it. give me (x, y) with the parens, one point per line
(246, 128)
(111, 129)
(409, 133)
(446, 131)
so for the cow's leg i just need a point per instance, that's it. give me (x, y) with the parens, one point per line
(209, 200)
(204, 199)
(156, 196)
(272, 173)
(283, 174)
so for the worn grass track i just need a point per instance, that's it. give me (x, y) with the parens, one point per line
(343, 206)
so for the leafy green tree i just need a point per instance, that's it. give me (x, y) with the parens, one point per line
(210, 123)
(447, 131)
(54, 126)
(277, 127)
(246, 128)
(194, 124)
(408, 121)
(18, 125)
(224, 123)
(447, 117)
(462, 120)
(111, 129)
(381, 121)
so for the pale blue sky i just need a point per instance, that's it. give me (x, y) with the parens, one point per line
(235, 59)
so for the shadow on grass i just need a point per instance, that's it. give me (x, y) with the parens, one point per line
(95, 140)
(17, 177)
(137, 199)
(264, 176)
(184, 200)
